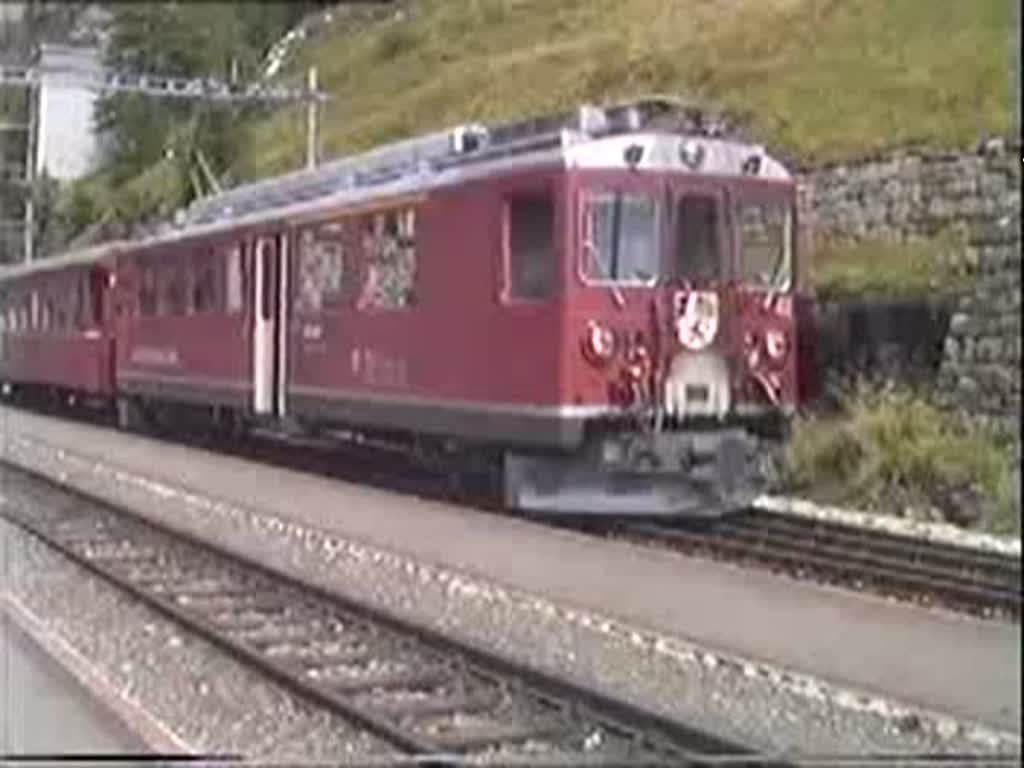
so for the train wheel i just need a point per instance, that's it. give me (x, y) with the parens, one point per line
(129, 415)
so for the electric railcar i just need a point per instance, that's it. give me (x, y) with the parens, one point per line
(598, 306)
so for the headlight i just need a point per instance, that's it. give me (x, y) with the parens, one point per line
(599, 344)
(777, 344)
(691, 153)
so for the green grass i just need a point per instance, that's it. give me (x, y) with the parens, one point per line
(891, 450)
(883, 269)
(819, 79)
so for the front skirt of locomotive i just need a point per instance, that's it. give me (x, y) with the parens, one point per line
(687, 474)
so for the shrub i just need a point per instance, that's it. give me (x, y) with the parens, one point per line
(889, 449)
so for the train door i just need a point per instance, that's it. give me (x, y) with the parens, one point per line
(270, 321)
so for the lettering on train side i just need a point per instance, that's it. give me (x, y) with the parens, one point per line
(161, 357)
(380, 369)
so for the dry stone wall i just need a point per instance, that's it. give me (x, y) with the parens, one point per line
(918, 194)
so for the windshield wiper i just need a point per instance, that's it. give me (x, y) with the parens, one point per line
(594, 255)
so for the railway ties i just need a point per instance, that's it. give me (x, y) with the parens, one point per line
(963, 579)
(423, 694)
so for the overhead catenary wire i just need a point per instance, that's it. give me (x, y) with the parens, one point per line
(203, 90)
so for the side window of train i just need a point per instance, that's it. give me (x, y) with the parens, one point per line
(147, 289)
(322, 265)
(389, 249)
(83, 303)
(171, 294)
(205, 285)
(698, 246)
(235, 296)
(530, 248)
(97, 281)
(48, 313)
(35, 311)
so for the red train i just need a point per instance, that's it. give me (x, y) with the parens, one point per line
(599, 306)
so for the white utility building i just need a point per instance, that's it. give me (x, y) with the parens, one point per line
(67, 145)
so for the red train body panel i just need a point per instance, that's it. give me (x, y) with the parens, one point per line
(606, 307)
(179, 338)
(56, 322)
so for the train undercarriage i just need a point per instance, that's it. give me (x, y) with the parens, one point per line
(705, 470)
(698, 473)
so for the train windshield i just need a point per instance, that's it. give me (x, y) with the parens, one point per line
(766, 244)
(698, 246)
(621, 238)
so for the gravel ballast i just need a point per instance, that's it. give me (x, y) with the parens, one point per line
(764, 706)
(203, 700)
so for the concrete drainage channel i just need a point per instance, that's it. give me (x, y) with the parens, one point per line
(410, 689)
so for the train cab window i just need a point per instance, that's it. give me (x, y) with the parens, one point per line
(698, 246)
(531, 248)
(620, 238)
(766, 244)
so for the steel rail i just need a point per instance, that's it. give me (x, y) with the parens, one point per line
(174, 572)
(978, 582)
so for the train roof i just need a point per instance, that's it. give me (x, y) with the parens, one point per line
(79, 258)
(423, 161)
(661, 132)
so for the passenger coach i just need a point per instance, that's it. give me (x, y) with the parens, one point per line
(55, 325)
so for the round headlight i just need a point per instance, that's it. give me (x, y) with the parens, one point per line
(691, 154)
(599, 343)
(776, 343)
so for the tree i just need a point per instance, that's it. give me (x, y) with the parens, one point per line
(185, 40)
(154, 142)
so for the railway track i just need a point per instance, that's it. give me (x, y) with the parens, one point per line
(446, 703)
(981, 583)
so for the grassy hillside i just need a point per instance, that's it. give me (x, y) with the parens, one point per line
(821, 79)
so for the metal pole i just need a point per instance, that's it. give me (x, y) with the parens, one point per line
(312, 115)
(30, 162)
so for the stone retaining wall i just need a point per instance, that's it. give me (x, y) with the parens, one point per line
(913, 195)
